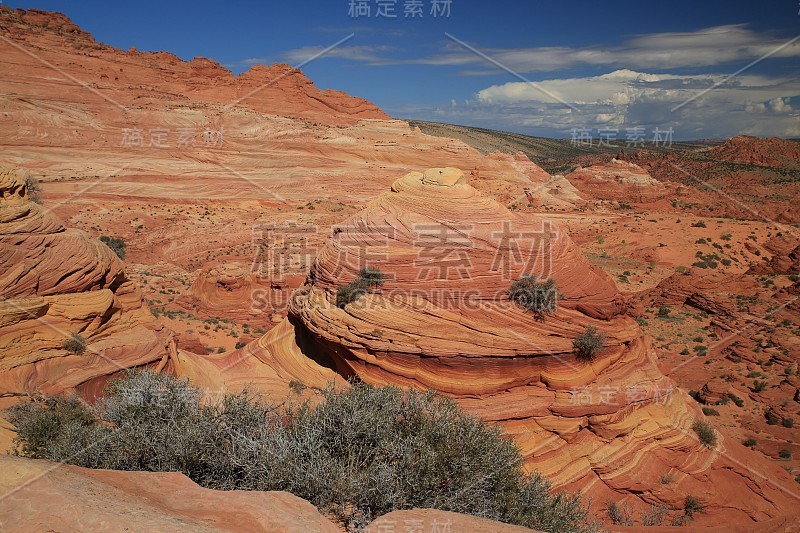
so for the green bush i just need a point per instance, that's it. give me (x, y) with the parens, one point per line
(588, 343)
(371, 276)
(750, 443)
(735, 399)
(705, 433)
(785, 454)
(367, 277)
(350, 293)
(692, 505)
(538, 297)
(699, 224)
(75, 344)
(788, 422)
(710, 411)
(116, 244)
(759, 386)
(358, 454)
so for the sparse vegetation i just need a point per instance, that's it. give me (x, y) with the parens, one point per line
(588, 343)
(705, 433)
(374, 449)
(116, 244)
(538, 297)
(710, 411)
(33, 189)
(367, 277)
(75, 344)
(692, 505)
(619, 514)
(785, 454)
(349, 293)
(750, 443)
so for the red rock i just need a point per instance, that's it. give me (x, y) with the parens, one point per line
(43, 496)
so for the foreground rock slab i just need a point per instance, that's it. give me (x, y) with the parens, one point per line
(43, 496)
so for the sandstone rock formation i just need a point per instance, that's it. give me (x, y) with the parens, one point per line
(434, 520)
(772, 152)
(617, 180)
(613, 427)
(136, 79)
(38, 495)
(57, 282)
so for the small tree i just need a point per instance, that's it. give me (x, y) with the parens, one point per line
(588, 343)
(116, 244)
(371, 277)
(351, 292)
(538, 297)
(75, 344)
(705, 433)
(692, 505)
(33, 189)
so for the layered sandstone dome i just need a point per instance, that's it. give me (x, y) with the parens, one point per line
(57, 282)
(617, 180)
(443, 320)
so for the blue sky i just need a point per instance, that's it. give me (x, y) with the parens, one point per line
(611, 64)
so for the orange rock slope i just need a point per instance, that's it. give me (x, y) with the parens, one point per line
(618, 180)
(613, 428)
(55, 283)
(45, 496)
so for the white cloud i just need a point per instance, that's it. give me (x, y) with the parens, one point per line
(366, 54)
(707, 47)
(748, 104)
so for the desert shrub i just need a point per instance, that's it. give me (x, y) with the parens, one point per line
(371, 276)
(759, 385)
(75, 344)
(358, 454)
(116, 244)
(735, 399)
(710, 411)
(588, 343)
(538, 297)
(239, 345)
(349, 293)
(692, 505)
(785, 454)
(619, 514)
(664, 311)
(750, 443)
(705, 433)
(654, 516)
(296, 386)
(685, 351)
(367, 277)
(33, 189)
(699, 224)
(788, 422)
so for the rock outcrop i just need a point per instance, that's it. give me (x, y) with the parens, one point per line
(617, 180)
(55, 283)
(43, 496)
(134, 79)
(613, 427)
(771, 152)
